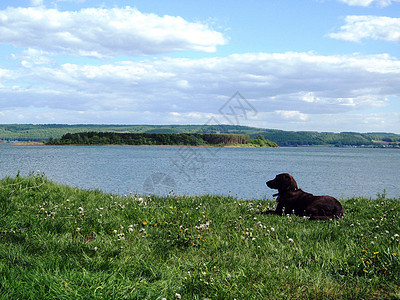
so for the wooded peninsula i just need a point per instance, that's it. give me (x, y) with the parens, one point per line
(171, 139)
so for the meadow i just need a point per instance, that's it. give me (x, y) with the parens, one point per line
(61, 242)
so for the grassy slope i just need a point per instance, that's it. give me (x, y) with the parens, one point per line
(66, 243)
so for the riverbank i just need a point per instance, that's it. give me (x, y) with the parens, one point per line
(62, 242)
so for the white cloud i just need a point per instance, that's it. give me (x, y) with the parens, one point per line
(104, 32)
(358, 28)
(36, 2)
(292, 115)
(366, 3)
(4, 73)
(287, 87)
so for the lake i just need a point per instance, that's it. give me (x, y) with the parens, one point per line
(240, 172)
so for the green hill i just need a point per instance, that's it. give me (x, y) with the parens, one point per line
(60, 242)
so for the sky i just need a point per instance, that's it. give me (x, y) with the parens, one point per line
(312, 65)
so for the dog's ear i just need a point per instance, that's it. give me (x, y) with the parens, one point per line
(289, 182)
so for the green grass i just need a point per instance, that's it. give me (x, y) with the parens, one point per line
(59, 242)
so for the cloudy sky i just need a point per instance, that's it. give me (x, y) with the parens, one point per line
(321, 65)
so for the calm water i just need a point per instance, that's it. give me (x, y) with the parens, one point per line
(340, 172)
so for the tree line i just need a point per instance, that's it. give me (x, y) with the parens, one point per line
(43, 132)
(189, 139)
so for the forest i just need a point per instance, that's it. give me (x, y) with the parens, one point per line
(188, 139)
(44, 132)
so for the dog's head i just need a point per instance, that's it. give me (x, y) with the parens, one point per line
(283, 183)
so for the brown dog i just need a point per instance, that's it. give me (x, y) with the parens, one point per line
(291, 199)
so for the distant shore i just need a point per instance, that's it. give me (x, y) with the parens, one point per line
(21, 143)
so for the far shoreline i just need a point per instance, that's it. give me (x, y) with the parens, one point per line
(21, 143)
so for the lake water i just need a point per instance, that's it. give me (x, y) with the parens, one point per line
(340, 172)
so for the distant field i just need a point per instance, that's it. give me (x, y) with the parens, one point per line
(59, 242)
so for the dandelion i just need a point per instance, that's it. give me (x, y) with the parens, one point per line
(394, 254)
(171, 207)
(365, 271)
(144, 223)
(375, 253)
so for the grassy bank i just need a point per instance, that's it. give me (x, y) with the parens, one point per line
(59, 242)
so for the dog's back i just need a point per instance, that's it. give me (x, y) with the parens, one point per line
(306, 204)
(324, 207)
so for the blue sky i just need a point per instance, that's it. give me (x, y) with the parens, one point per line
(320, 65)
